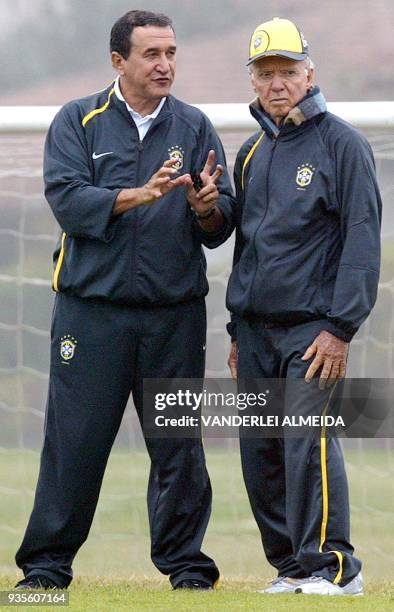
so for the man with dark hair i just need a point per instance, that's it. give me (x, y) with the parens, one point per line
(131, 176)
(122, 30)
(305, 277)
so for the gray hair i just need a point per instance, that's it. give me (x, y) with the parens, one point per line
(310, 65)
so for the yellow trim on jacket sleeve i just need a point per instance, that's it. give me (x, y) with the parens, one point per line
(97, 111)
(59, 264)
(324, 478)
(247, 158)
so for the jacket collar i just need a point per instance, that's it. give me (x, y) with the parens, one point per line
(135, 114)
(311, 106)
(166, 110)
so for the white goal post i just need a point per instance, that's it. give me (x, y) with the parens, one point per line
(225, 117)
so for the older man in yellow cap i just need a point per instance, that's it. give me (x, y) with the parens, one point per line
(304, 278)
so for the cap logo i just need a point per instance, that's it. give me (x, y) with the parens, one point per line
(260, 42)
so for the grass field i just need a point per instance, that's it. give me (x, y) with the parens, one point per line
(113, 568)
(155, 595)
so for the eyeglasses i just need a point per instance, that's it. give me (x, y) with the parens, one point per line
(266, 76)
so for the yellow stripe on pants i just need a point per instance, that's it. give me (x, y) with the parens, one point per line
(324, 478)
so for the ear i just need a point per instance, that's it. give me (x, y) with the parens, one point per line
(117, 62)
(252, 79)
(310, 83)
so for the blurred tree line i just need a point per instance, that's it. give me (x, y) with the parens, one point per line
(69, 36)
(61, 38)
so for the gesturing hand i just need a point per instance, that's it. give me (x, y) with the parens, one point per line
(330, 355)
(202, 201)
(160, 183)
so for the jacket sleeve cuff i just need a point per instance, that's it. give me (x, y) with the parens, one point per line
(109, 220)
(232, 328)
(339, 332)
(214, 239)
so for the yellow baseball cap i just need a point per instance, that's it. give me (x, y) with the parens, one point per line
(277, 37)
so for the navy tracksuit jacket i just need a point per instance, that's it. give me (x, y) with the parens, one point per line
(308, 222)
(129, 305)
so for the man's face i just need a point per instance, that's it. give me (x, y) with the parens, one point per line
(280, 84)
(149, 71)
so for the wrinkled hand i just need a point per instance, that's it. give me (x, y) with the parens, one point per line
(160, 183)
(330, 355)
(203, 200)
(233, 360)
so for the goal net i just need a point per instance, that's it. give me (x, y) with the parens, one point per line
(119, 544)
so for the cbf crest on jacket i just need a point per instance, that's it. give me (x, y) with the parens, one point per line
(308, 222)
(151, 254)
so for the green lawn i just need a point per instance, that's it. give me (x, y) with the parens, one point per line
(118, 546)
(144, 594)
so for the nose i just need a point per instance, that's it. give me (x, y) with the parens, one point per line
(277, 83)
(163, 66)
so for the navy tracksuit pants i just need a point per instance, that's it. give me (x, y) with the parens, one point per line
(297, 486)
(100, 352)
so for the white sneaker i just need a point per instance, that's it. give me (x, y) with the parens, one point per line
(316, 585)
(355, 586)
(283, 584)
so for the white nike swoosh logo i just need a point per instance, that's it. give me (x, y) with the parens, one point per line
(96, 156)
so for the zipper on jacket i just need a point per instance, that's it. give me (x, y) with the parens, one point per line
(263, 217)
(140, 150)
(134, 237)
